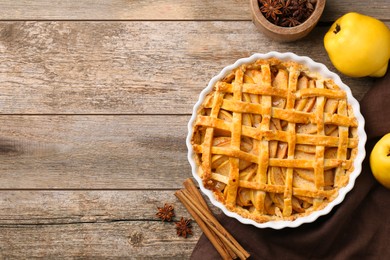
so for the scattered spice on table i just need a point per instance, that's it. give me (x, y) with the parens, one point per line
(287, 13)
(184, 227)
(166, 212)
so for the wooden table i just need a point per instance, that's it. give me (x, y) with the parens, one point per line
(95, 98)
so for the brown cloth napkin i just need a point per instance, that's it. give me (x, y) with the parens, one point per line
(357, 228)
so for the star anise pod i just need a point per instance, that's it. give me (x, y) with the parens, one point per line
(299, 9)
(165, 213)
(289, 22)
(287, 13)
(184, 227)
(310, 5)
(286, 7)
(270, 9)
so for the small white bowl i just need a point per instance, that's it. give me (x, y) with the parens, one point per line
(314, 67)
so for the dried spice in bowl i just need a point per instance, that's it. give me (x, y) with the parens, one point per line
(287, 13)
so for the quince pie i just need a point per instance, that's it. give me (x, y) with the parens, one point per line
(275, 141)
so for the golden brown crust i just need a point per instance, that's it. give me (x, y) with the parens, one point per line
(274, 141)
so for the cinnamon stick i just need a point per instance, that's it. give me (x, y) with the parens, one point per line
(190, 186)
(214, 225)
(193, 190)
(214, 239)
(224, 243)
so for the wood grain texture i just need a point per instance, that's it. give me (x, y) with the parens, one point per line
(93, 152)
(91, 224)
(128, 67)
(163, 10)
(123, 239)
(30, 207)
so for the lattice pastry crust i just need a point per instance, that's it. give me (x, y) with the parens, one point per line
(274, 141)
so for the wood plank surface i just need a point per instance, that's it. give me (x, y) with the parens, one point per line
(29, 207)
(164, 10)
(128, 67)
(90, 224)
(93, 152)
(122, 239)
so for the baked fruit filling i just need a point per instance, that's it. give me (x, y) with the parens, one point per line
(275, 141)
